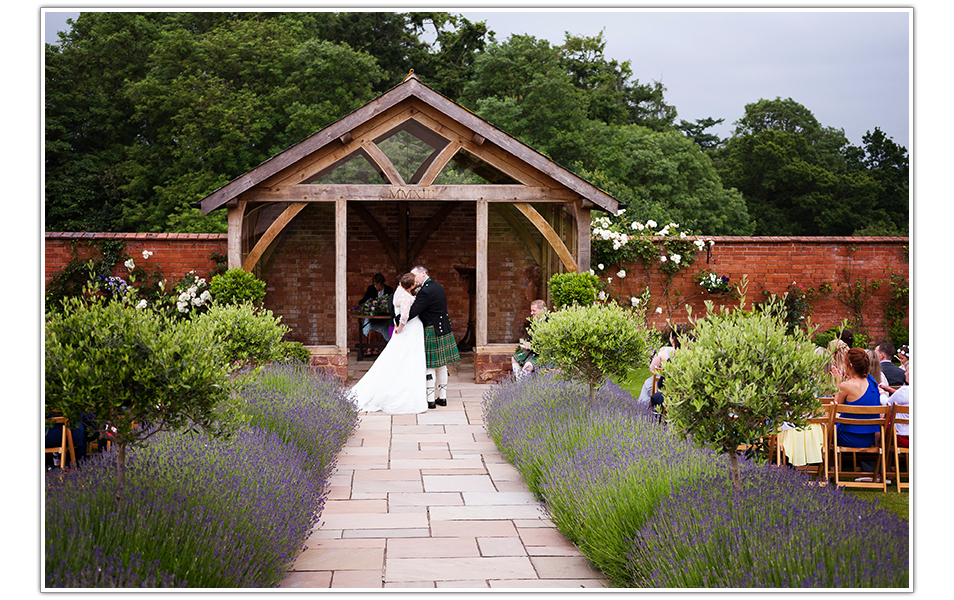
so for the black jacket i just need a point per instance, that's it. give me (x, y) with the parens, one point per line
(430, 305)
(894, 374)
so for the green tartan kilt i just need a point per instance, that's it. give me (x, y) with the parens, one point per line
(439, 351)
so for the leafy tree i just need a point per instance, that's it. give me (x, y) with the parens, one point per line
(696, 132)
(669, 179)
(740, 378)
(801, 178)
(590, 342)
(887, 163)
(147, 113)
(133, 369)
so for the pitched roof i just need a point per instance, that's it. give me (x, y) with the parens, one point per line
(410, 87)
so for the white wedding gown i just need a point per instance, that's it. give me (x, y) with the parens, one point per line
(396, 382)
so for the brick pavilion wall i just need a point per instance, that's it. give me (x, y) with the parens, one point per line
(299, 274)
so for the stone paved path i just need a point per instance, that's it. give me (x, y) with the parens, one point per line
(427, 501)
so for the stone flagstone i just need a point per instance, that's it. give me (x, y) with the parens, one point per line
(427, 501)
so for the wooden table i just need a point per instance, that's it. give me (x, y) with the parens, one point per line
(363, 343)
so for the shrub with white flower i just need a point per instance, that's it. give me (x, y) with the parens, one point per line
(130, 264)
(616, 241)
(191, 294)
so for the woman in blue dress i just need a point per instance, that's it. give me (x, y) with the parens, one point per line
(858, 389)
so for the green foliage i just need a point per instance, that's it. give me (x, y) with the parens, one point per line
(590, 342)
(236, 286)
(247, 335)
(135, 370)
(568, 289)
(896, 308)
(666, 170)
(77, 274)
(291, 352)
(800, 178)
(741, 377)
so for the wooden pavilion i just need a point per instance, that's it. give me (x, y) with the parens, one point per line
(425, 181)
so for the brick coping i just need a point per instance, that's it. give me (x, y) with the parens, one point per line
(717, 238)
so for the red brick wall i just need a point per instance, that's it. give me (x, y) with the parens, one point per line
(175, 253)
(772, 264)
(299, 275)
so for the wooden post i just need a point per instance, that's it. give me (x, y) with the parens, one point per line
(482, 214)
(341, 273)
(582, 239)
(235, 215)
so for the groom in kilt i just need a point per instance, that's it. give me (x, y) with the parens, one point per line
(439, 346)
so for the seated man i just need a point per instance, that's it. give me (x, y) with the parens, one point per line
(524, 360)
(375, 290)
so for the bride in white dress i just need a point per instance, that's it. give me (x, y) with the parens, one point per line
(396, 383)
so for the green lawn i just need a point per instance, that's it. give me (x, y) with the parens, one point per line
(892, 500)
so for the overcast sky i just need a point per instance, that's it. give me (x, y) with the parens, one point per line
(851, 68)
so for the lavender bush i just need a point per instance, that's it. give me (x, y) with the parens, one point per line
(781, 533)
(610, 474)
(203, 512)
(600, 471)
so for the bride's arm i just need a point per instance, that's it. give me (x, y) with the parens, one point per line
(404, 302)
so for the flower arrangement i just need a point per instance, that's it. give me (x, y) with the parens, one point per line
(715, 284)
(374, 306)
(615, 240)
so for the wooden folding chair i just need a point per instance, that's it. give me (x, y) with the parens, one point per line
(847, 414)
(65, 444)
(823, 418)
(900, 414)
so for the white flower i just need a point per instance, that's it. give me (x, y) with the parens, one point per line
(600, 266)
(602, 295)
(193, 290)
(699, 244)
(142, 304)
(182, 306)
(184, 297)
(682, 234)
(673, 225)
(162, 285)
(651, 223)
(634, 301)
(621, 273)
(206, 295)
(676, 258)
(592, 272)
(620, 211)
(711, 242)
(609, 280)
(201, 282)
(197, 301)
(146, 253)
(130, 264)
(659, 310)
(662, 258)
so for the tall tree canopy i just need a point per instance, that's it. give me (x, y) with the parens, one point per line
(801, 178)
(146, 113)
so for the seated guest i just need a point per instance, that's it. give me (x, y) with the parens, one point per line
(375, 290)
(847, 336)
(857, 388)
(524, 359)
(902, 397)
(894, 374)
(904, 356)
(875, 371)
(676, 337)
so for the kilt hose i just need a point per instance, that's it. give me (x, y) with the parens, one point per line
(439, 351)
